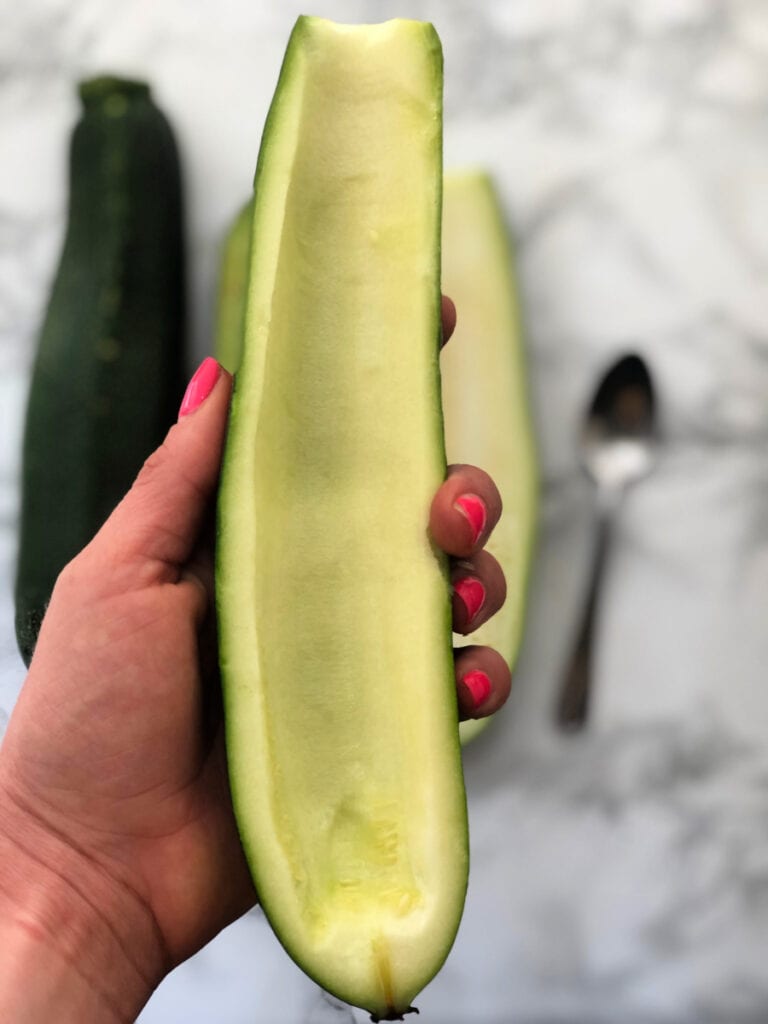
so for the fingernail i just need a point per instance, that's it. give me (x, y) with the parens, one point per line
(473, 509)
(479, 686)
(200, 386)
(471, 592)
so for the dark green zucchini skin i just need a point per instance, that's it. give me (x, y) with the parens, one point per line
(109, 369)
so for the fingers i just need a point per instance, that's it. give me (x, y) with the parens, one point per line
(159, 520)
(482, 681)
(463, 514)
(479, 589)
(482, 675)
(464, 511)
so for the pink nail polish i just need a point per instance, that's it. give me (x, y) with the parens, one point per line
(471, 592)
(200, 386)
(473, 509)
(479, 686)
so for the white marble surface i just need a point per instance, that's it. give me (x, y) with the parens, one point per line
(622, 875)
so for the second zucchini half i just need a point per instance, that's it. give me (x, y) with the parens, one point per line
(485, 393)
(334, 607)
(484, 383)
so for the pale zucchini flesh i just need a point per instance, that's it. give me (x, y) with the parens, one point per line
(334, 606)
(484, 392)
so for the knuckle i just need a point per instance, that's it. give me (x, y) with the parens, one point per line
(71, 576)
(72, 583)
(501, 584)
(154, 465)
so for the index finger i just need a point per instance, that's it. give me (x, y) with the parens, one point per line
(448, 318)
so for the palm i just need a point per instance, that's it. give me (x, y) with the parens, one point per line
(150, 790)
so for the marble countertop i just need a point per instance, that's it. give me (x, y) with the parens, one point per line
(621, 874)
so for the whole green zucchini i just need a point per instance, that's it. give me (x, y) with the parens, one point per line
(109, 368)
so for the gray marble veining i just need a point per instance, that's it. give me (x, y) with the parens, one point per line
(621, 875)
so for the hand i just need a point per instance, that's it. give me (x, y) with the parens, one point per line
(114, 804)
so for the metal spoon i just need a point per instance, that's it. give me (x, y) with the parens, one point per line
(618, 448)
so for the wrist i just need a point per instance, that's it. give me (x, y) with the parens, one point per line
(75, 944)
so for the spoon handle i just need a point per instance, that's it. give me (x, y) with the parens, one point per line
(573, 703)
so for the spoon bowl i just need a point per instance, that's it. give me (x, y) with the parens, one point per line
(618, 440)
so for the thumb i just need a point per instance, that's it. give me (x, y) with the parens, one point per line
(160, 518)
